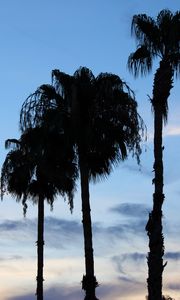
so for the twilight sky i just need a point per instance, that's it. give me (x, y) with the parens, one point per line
(37, 37)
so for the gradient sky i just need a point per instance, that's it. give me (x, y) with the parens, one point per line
(37, 37)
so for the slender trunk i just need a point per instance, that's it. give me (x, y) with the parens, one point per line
(40, 249)
(154, 228)
(89, 282)
(154, 225)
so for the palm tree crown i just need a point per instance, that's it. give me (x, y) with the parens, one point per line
(157, 39)
(97, 109)
(33, 167)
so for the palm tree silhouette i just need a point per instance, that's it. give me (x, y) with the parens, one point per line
(32, 170)
(103, 125)
(157, 39)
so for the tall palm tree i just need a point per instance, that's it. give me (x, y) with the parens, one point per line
(157, 39)
(32, 170)
(103, 125)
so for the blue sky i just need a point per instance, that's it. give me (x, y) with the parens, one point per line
(37, 37)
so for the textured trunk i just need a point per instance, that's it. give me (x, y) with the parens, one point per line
(40, 249)
(89, 282)
(161, 91)
(154, 226)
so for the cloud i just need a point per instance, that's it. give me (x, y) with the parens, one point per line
(61, 233)
(123, 230)
(124, 262)
(169, 131)
(141, 170)
(172, 255)
(137, 215)
(105, 291)
(127, 279)
(126, 258)
(121, 289)
(58, 232)
(54, 224)
(16, 225)
(139, 257)
(172, 131)
(55, 293)
(135, 256)
(119, 264)
(12, 257)
(174, 286)
(135, 210)
(51, 224)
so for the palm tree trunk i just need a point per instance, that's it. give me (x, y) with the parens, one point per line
(154, 228)
(40, 249)
(89, 282)
(154, 225)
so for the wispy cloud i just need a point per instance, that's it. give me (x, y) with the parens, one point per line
(122, 230)
(61, 233)
(124, 259)
(135, 210)
(13, 257)
(172, 255)
(109, 290)
(136, 218)
(171, 130)
(11, 227)
(124, 288)
(140, 257)
(58, 232)
(174, 286)
(140, 170)
(168, 131)
(55, 293)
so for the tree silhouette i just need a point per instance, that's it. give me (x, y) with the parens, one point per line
(157, 39)
(33, 170)
(103, 125)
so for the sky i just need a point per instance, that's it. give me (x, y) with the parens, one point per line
(37, 37)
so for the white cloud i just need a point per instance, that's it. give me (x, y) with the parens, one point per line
(168, 131)
(172, 130)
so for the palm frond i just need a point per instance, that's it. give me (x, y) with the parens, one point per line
(84, 74)
(174, 60)
(12, 143)
(62, 82)
(15, 175)
(146, 32)
(164, 19)
(116, 126)
(37, 104)
(140, 61)
(169, 27)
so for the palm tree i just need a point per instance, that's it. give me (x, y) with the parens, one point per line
(32, 170)
(103, 125)
(157, 39)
